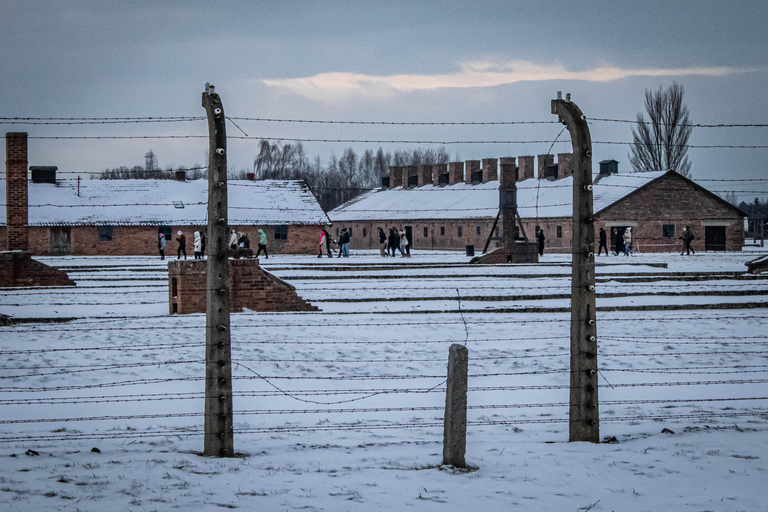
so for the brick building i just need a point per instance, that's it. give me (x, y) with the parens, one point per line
(124, 217)
(451, 206)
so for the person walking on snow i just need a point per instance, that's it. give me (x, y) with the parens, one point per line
(198, 246)
(161, 246)
(603, 242)
(344, 243)
(202, 245)
(322, 244)
(540, 239)
(382, 243)
(262, 244)
(687, 237)
(182, 245)
(628, 242)
(404, 249)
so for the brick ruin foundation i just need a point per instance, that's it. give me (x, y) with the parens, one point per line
(250, 287)
(17, 268)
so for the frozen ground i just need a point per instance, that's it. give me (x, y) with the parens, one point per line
(342, 409)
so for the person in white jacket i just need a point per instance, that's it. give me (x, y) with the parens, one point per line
(198, 246)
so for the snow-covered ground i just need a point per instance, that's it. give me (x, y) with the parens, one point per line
(342, 409)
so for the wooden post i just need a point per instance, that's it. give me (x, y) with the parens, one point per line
(455, 430)
(218, 439)
(584, 415)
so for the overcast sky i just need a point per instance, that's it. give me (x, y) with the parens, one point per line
(411, 61)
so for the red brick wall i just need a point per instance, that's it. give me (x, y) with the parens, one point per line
(249, 287)
(142, 240)
(16, 234)
(19, 269)
(671, 200)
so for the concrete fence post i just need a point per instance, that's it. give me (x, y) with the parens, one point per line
(455, 430)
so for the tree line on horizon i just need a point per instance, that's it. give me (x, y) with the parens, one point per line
(333, 183)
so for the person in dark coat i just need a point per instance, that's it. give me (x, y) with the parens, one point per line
(540, 239)
(603, 242)
(202, 244)
(382, 243)
(687, 237)
(328, 240)
(182, 245)
(344, 243)
(391, 242)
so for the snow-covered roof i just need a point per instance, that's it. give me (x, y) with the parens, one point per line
(159, 202)
(535, 199)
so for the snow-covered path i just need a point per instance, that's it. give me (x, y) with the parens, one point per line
(342, 409)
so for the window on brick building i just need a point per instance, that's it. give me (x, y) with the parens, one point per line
(668, 231)
(281, 232)
(426, 232)
(477, 230)
(350, 232)
(559, 231)
(365, 233)
(442, 230)
(497, 232)
(167, 232)
(105, 233)
(458, 232)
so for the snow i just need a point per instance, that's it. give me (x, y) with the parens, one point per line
(113, 203)
(535, 198)
(342, 409)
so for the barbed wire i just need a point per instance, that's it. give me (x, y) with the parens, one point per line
(151, 119)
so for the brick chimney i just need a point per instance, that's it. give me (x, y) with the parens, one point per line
(437, 171)
(250, 176)
(525, 167)
(490, 170)
(424, 173)
(395, 176)
(473, 166)
(455, 173)
(564, 165)
(544, 161)
(16, 193)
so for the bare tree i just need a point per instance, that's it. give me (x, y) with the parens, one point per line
(661, 143)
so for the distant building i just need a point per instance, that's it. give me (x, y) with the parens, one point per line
(443, 207)
(124, 217)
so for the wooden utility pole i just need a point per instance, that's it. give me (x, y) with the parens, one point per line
(584, 415)
(219, 437)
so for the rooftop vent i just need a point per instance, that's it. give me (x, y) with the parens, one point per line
(608, 167)
(178, 204)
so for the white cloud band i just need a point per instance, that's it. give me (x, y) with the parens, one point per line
(330, 86)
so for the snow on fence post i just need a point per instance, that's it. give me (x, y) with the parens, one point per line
(455, 429)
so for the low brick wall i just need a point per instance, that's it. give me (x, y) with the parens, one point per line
(250, 287)
(17, 269)
(525, 253)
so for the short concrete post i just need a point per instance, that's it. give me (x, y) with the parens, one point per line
(455, 430)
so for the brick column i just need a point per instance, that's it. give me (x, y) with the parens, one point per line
(508, 202)
(526, 164)
(16, 196)
(471, 166)
(455, 173)
(564, 165)
(544, 161)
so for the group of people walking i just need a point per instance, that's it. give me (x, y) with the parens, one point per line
(236, 240)
(623, 242)
(324, 245)
(395, 241)
(181, 239)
